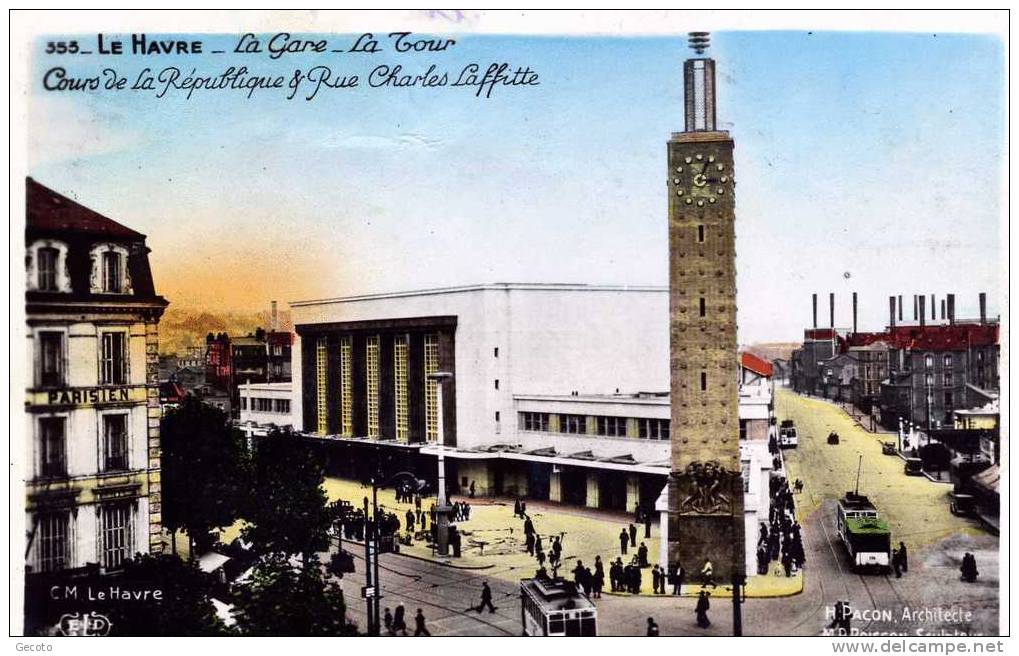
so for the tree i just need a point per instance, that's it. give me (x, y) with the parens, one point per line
(287, 512)
(280, 599)
(203, 470)
(185, 605)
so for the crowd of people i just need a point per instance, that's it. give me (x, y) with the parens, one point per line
(780, 539)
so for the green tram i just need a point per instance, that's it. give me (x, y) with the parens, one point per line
(865, 534)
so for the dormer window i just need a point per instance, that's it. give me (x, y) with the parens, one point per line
(109, 270)
(47, 268)
(46, 262)
(112, 272)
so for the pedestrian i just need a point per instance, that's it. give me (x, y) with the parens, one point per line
(587, 580)
(419, 624)
(702, 610)
(529, 543)
(708, 574)
(516, 507)
(677, 582)
(471, 490)
(387, 620)
(486, 599)
(637, 512)
(616, 574)
(642, 560)
(578, 573)
(528, 526)
(969, 568)
(424, 525)
(557, 549)
(787, 562)
(538, 546)
(896, 563)
(652, 628)
(523, 508)
(633, 535)
(399, 620)
(647, 525)
(624, 540)
(417, 502)
(410, 521)
(656, 578)
(540, 555)
(598, 577)
(903, 556)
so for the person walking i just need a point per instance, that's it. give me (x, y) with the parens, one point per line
(399, 620)
(677, 582)
(969, 568)
(486, 599)
(633, 535)
(702, 610)
(419, 624)
(656, 579)
(538, 546)
(597, 578)
(903, 557)
(647, 525)
(652, 627)
(387, 620)
(471, 490)
(896, 564)
(708, 575)
(529, 543)
(516, 507)
(410, 521)
(642, 560)
(616, 575)
(624, 541)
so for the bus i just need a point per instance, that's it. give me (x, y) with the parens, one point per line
(555, 607)
(866, 536)
(787, 435)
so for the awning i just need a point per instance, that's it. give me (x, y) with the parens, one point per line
(988, 479)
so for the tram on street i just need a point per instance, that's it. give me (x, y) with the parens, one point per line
(555, 607)
(866, 536)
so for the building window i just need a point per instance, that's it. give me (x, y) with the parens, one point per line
(51, 359)
(52, 447)
(948, 379)
(321, 405)
(47, 268)
(244, 403)
(112, 272)
(116, 534)
(745, 473)
(700, 233)
(282, 406)
(346, 388)
(743, 429)
(704, 381)
(703, 306)
(929, 380)
(262, 404)
(611, 426)
(431, 388)
(534, 421)
(573, 424)
(928, 361)
(115, 448)
(948, 361)
(113, 359)
(948, 401)
(400, 381)
(653, 429)
(372, 369)
(53, 545)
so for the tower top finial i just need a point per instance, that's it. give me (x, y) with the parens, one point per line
(700, 41)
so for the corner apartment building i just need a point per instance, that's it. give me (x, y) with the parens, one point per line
(92, 398)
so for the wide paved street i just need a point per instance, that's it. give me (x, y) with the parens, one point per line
(916, 509)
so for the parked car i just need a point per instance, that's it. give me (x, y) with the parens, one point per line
(962, 505)
(913, 467)
(888, 448)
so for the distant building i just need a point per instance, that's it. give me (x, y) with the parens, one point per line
(91, 398)
(218, 362)
(279, 348)
(264, 406)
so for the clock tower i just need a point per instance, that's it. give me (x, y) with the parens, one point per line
(705, 531)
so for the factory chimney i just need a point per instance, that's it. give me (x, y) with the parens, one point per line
(942, 309)
(900, 307)
(854, 313)
(814, 298)
(274, 321)
(916, 313)
(951, 308)
(983, 307)
(934, 309)
(831, 309)
(891, 311)
(922, 302)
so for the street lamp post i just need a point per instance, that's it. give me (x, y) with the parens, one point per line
(441, 502)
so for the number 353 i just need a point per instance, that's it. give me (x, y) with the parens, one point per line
(61, 47)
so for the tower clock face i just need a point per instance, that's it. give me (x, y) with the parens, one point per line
(700, 180)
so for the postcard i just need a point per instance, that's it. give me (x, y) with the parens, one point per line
(487, 323)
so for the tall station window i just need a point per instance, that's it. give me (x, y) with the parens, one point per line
(51, 359)
(400, 382)
(116, 534)
(700, 233)
(321, 405)
(346, 388)
(704, 381)
(51, 538)
(372, 371)
(52, 447)
(431, 388)
(115, 449)
(113, 359)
